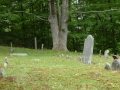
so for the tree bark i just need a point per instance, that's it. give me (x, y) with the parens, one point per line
(59, 26)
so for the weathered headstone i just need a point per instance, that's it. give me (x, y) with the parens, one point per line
(116, 63)
(2, 72)
(106, 53)
(88, 50)
(107, 66)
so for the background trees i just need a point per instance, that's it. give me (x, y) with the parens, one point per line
(22, 20)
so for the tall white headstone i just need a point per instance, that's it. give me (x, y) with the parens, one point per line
(88, 50)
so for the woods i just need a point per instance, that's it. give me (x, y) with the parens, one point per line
(60, 24)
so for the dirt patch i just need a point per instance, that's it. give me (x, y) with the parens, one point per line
(8, 79)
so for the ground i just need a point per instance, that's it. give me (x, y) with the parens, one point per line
(46, 70)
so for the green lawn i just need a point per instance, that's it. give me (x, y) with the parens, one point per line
(44, 70)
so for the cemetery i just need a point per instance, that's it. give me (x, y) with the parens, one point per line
(59, 45)
(53, 70)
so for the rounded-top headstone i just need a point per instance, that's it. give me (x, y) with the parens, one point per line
(88, 50)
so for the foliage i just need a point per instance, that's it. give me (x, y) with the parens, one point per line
(100, 20)
(22, 20)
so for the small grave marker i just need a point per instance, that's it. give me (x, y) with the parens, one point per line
(106, 54)
(2, 72)
(107, 66)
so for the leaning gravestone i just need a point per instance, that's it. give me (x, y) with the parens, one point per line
(88, 50)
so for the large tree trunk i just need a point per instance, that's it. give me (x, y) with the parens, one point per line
(59, 27)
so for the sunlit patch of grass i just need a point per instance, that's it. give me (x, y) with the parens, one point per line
(45, 70)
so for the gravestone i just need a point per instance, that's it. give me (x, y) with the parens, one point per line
(6, 62)
(62, 55)
(88, 50)
(106, 53)
(68, 57)
(2, 72)
(116, 63)
(107, 66)
(19, 54)
(79, 58)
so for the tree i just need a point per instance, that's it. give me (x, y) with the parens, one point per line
(59, 24)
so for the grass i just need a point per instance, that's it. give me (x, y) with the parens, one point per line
(43, 70)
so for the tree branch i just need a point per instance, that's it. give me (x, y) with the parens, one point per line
(96, 11)
(39, 17)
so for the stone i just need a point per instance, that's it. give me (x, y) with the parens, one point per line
(107, 66)
(75, 51)
(79, 58)
(116, 64)
(2, 72)
(62, 55)
(88, 50)
(6, 62)
(18, 54)
(68, 57)
(106, 54)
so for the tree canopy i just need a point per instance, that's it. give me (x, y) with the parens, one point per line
(22, 20)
